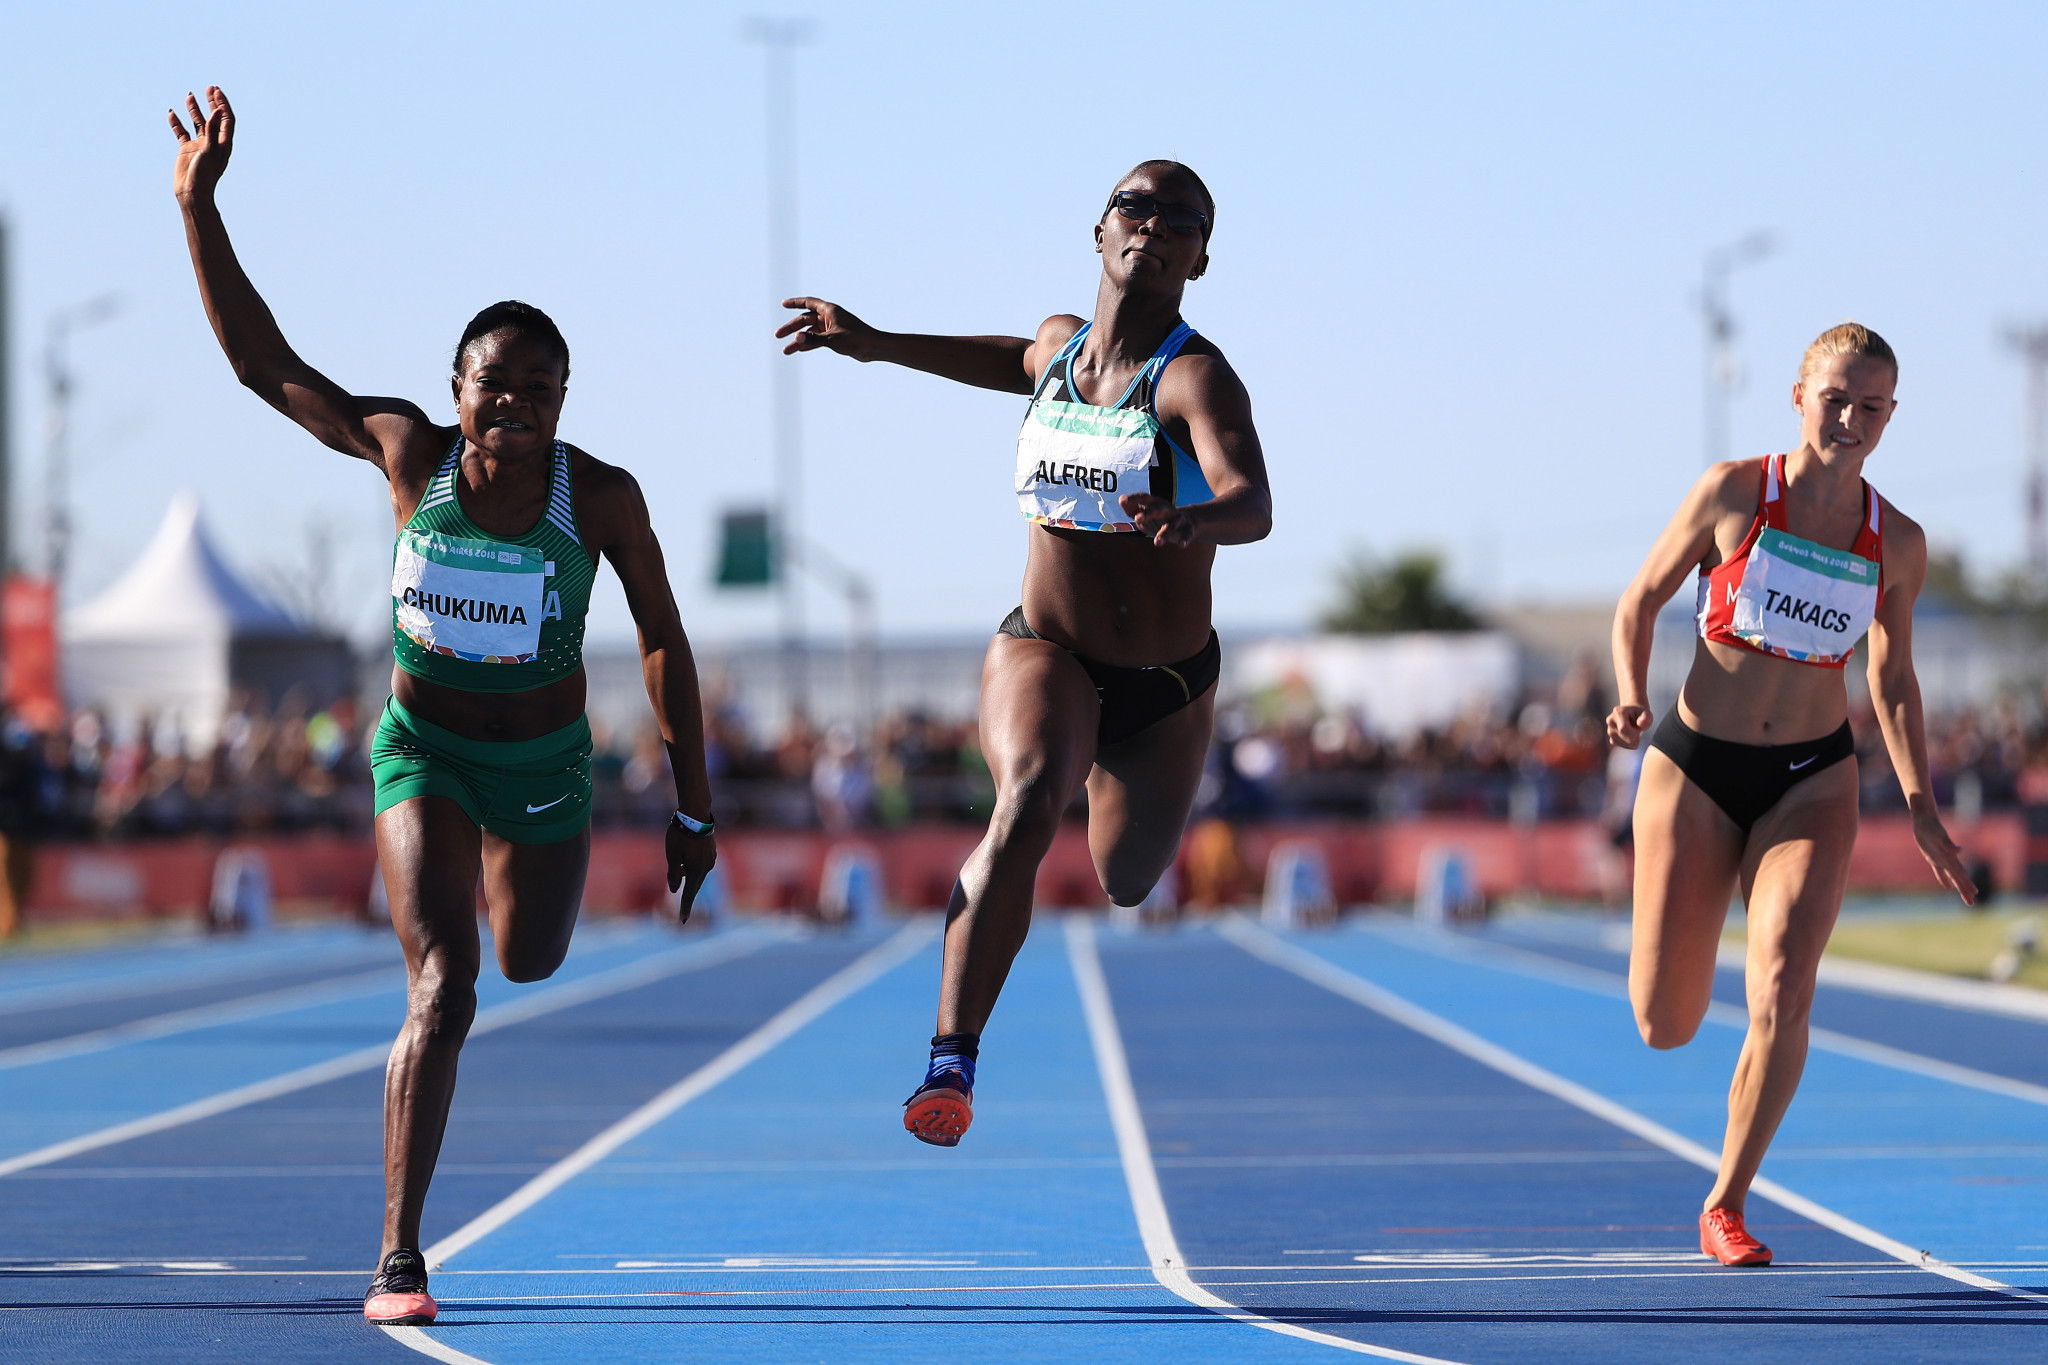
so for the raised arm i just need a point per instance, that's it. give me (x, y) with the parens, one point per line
(1895, 692)
(1204, 396)
(373, 429)
(625, 536)
(1000, 363)
(1677, 555)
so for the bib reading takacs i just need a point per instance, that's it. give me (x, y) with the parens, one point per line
(487, 613)
(1785, 595)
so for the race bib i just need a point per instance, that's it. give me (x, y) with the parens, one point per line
(1804, 601)
(478, 600)
(1074, 460)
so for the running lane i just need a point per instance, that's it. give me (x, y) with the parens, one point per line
(1930, 1161)
(66, 1099)
(1325, 1163)
(250, 1235)
(182, 976)
(1984, 1039)
(83, 1025)
(785, 1215)
(36, 978)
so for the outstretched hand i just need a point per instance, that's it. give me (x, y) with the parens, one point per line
(1158, 518)
(822, 324)
(1943, 856)
(690, 860)
(203, 152)
(1625, 726)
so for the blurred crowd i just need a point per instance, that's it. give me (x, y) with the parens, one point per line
(298, 767)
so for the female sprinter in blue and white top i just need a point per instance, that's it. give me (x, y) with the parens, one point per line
(1750, 782)
(1137, 459)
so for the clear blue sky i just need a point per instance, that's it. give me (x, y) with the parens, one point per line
(1456, 259)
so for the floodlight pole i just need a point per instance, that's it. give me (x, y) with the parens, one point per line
(779, 39)
(1723, 370)
(2032, 344)
(57, 428)
(863, 663)
(6, 421)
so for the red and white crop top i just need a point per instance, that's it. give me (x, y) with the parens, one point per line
(1784, 595)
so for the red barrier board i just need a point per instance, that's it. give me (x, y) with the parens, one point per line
(763, 870)
(28, 644)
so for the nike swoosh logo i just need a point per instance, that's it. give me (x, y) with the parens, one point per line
(1795, 767)
(530, 810)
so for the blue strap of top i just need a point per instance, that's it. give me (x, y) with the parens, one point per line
(1168, 349)
(1063, 356)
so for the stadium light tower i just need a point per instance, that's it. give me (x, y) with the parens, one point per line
(1724, 367)
(2032, 344)
(57, 431)
(779, 39)
(6, 415)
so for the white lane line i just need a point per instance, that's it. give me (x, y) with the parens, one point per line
(1824, 1313)
(1341, 1160)
(1268, 948)
(1529, 962)
(1957, 992)
(155, 979)
(302, 996)
(418, 1339)
(855, 976)
(1169, 1267)
(849, 979)
(1700, 1271)
(2029, 1003)
(634, 974)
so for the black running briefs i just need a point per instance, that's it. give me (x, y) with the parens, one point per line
(1135, 699)
(1746, 780)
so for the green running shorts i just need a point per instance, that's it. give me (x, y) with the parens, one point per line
(530, 791)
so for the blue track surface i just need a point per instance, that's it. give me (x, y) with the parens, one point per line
(1390, 1141)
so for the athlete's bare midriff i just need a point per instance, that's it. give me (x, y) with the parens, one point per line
(1751, 698)
(492, 715)
(1116, 597)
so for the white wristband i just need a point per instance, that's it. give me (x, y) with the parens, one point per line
(695, 826)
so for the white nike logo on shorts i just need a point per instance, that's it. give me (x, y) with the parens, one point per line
(530, 810)
(1795, 767)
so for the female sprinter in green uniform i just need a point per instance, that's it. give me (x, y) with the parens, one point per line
(1137, 459)
(1750, 782)
(482, 758)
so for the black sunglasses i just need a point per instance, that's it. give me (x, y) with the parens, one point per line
(1140, 206)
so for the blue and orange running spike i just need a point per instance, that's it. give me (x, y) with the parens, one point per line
(943, 1106)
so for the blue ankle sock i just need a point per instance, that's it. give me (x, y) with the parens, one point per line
(957, 1053)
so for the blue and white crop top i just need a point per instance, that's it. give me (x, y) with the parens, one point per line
(1075, 459)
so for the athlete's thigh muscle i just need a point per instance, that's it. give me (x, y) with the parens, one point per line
(1688, 853)
(1139, 796)
(1793, 874)
(1038, 717)
(534, 892)
(428, 851)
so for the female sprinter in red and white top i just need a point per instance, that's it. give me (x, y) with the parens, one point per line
(1750, 782)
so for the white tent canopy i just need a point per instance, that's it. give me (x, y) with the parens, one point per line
(179, 632)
